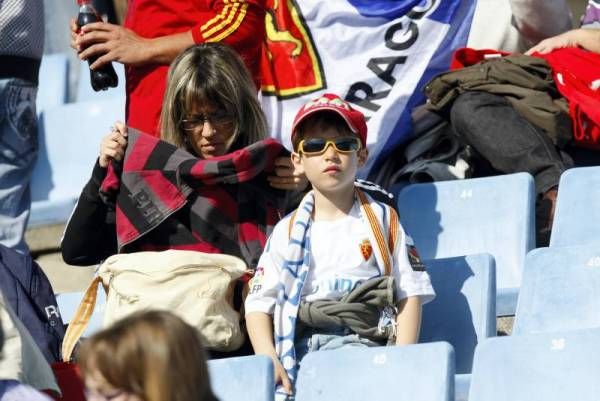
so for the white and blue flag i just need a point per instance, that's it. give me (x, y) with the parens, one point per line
(376, 54)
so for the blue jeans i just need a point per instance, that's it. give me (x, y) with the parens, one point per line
(18, 154)
(314, 340)
(491, 125)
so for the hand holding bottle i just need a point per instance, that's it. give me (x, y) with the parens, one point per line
(108, 42)
(102, 75)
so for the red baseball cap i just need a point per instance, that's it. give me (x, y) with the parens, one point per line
(330, 102)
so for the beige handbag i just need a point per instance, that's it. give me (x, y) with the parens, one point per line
(196, 286)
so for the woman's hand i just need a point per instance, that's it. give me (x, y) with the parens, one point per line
(286, 177)
(113, 145)
(567, 39)
(587, 38)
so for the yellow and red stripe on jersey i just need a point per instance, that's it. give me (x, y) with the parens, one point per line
(226, 22)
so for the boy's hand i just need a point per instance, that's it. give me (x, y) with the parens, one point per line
(286, 177)
(260, 330)
(281, 376)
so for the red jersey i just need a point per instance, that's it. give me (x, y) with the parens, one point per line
(239, 23)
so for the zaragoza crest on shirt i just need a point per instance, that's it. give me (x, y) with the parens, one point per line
(366, 249)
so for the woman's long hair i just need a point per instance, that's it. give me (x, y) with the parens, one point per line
(154, 355)
(212, 73)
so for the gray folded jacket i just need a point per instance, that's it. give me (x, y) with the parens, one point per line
(360, 310)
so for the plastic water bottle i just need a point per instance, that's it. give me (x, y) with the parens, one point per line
(104, 77)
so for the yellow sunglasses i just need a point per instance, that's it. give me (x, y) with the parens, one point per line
(315, 146)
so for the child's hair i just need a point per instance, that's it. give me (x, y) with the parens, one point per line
(212, 73)
(321, 121)
(154, 355)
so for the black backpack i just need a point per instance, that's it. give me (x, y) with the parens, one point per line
(28, 291)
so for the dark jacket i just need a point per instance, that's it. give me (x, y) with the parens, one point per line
(359, 310)
(524, 80)
(29, 293)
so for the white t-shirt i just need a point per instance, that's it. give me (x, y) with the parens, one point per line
(341, 259)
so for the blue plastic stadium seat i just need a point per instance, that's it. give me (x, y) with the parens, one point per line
(70, 137)
(408, 373)
(68, 302)
(53, 81)
(464, 310)
(85, 93)
(248, 378)
(577, 215)
(551, 367)
(462, 383)
(492, 215)
(560, 290)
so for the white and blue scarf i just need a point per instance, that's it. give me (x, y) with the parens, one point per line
(297, 264)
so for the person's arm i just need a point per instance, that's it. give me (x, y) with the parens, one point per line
(90, 235)
(260, 330)
(413, 288)
(116, 43)
(588, 39)
(239, 25)
(260, 302)
(408, 321)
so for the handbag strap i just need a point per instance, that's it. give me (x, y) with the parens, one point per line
(80, 320)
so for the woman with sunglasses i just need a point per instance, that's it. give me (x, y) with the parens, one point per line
(211, 111)
(148, 356)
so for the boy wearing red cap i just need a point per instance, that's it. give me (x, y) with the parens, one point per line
(337, 271)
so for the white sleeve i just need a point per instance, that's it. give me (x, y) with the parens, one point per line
(409, 272)
(264, 285)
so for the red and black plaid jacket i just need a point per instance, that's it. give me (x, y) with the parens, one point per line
(162, 197)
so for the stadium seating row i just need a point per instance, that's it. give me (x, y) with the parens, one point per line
(545, 366)
(559, 292)
(496, 215)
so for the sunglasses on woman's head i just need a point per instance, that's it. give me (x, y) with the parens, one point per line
(315, 146)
